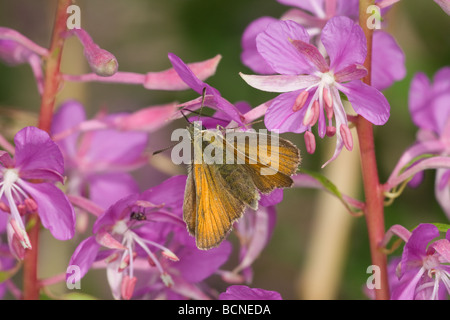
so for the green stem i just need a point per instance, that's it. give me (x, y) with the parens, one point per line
(52, 79)
(374, 210)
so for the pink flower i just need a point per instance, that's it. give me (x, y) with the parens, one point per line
(145, 234)
(312, 85)
(430, 111)
(27, 185)
(388, 60)
(424, 271)
(98, 160)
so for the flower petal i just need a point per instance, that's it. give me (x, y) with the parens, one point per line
(417, 100)
(148, 119)
(196, 265)
(5, 159)
(406, 288)
(442, 189)
(106, 148)
(250, 56)
(315, 7)
(352, 72)
(388, 61)
(344, 42)
(69, 115)
(415, 248)
(105, 189)
(241, 292)
(311, 54)
(186, 74)
(170, 80)
(279, 83)
(55, 210)
(36, 150)
(367, 101)
(281, 117)
(84, 255)
(276, 48)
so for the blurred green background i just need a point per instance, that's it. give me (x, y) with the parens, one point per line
(141, 33)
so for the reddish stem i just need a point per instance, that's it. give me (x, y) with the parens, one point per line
(374, 210)
(52, 78)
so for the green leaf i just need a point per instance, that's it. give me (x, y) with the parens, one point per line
(442, 227)
(330, 187)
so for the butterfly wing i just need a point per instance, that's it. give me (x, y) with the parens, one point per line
(270, 163)
(190, 203)
(217, 208)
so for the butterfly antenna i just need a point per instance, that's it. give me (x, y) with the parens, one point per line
(162, 150)
(203, 100)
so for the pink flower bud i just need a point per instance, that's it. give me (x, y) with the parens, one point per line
(102, 62)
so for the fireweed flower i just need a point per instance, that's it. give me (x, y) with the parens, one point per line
(27, 185)
(424, 270)
(430, 111)
(138, 227)
(188, 273)
(311, 85)
(388, 59)
(241, 292)
(98, 161)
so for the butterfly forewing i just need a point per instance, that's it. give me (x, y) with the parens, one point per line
(217, 208)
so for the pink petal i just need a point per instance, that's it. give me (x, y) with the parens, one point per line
(345, 42)
(276, 48)
(280, 115)
(352, 72)
(388, 61)
(443, 248)
(54, 209)
(315, 6)
(105, 189)
(170, 80)
(84, 255)
(279, 83)
(148, 119)
(445, 5)
(312, 54)
(367, 101)
(69, 115)
(442, 189)
(250, 56)
(36, 150)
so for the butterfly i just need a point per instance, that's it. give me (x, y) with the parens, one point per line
(230, 169)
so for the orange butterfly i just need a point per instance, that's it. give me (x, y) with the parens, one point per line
(229, 170)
